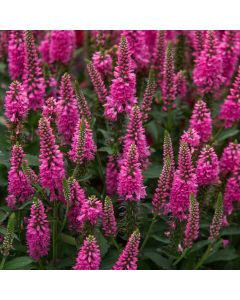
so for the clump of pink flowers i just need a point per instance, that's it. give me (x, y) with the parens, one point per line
(89, 257)
(38, 232)
(129, 256)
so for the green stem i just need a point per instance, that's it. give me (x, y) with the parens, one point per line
(204, 257)
(55, 213)
(148, 233)
(181, 257)
(65, 216)
(115, 243)
(3, 262)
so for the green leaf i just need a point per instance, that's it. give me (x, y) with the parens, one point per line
(4, 159)
(102, 242)
(227, 133)
(199, 245)
(32, 160)
(107, 149)
(68, 239)
(158, 259)
(3, 215)
(231, 231)
(226, 254)
(18, 263)
(152, 172)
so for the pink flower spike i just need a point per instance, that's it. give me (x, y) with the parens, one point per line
(38, 232)
(230, 156)
(109, 223)
(129, 256)
(89, 257)
(16, 103)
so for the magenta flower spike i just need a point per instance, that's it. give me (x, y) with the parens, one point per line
(16, 54)
(181, 84)
(199, 37)
(89, 257)
(137, 47)
(50, 109)
(217, 220)
(51, 161)
(112, 171)
(16, 103)
(67, 111)
(169, 88)
(129, 256)
(208, 71)
(232, 190)
(76, 200)
(201, 121)
(130, 179)
(109, 223)
(168, 151)
(159, 56)
(91, 210)
(38, 232)
(19, 186)
(136, 135)
(207, 169)
(98, 83)
(184, 183)
(230, 110)
(44, 48)
(33, 80)
(229, 51)
(102, 63)
(191, 137)
(148, 98)
(192, 228)
(123, 87)
(83, 147)
(62, 45)
(230, 157)
(162, 191)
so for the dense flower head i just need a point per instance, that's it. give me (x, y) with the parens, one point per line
(184, 183)
(98, 83)
(89, 257)
(83, 147)
(148, 98)
(16, 102)
(67, 111)
(230, 110)
(16, 54)
(123, 87)
(51, 161)
(130, 179)
(230, 156)
(207, 74)
(91, 210)
(207, 169)
(103, 63)
(109, 223)
(49, 109)
(137, 47)
(229, 51)
(136, 135)
(232, 190)
(159, 56)
(76, 200)
(192, 228)
(198, 39)
(201, 120)
(82, 104)
(217, 219)
(38, 232)
(112, 170)
(62, 45)
(191, 137)
(181, 84)
(168, 151)
(33, 80)
(44, 48)
(129, 256)
(19, 185)
(169, 88)
(162, 191)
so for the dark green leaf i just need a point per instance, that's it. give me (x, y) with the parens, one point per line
(18, 263)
